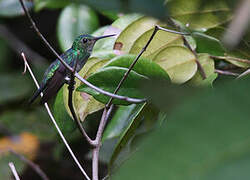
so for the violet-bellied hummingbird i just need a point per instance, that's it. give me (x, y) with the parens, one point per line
(57, 74)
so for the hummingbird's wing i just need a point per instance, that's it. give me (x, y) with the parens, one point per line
(54, 84)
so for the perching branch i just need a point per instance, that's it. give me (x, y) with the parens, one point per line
(34, 166)
(71, 88)
(54, 122)
(132, 100)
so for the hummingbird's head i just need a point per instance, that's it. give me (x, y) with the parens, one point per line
(87, 42)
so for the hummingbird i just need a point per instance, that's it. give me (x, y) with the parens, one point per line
(57, 74)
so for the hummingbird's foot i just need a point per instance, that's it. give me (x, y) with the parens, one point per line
(67, 80)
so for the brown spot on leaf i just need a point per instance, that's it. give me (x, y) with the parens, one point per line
(118, 46)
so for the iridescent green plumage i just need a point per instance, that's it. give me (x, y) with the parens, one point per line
(55, 75)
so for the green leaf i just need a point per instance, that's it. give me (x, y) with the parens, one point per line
(115, 28)
(137, 28)
(11, 8)
(199, 14)
(52, 4)
(161, 40)
(123, 116)
(178, 61)
(143, 66)
(27, 121)
(75, 20)
(14, 87)
(208, 44)
(145, 115)
(207, 64)
(148, 7)
(108, 78)
(64, 121)
(206, 137)
(110, 14)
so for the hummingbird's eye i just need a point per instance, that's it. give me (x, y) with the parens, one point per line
(84, 40)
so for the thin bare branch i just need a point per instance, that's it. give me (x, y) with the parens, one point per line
(231, 58)
(244, 73)
(13, 169)
(226, 72)
(54, 122)
(132, 100)
(34, 166)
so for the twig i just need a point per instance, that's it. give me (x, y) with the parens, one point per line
(132, 100)
(231, 58)
(34, 166)
(54, 122)
(13, 169)
(244, 73)
(226, 72)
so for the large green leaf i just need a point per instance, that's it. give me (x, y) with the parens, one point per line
(75, 20)
(121, 119)
(108, 78)
(147, 7)
(199, 14)
(143, 66)
(206, 137)
(10, 8)
(178, 61)
(146, 115)
(115, 28)
(208, 44)
(129, 35)
(64, 121)
(161, 40)
(14, 88)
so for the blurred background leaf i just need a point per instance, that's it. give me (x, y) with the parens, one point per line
(200, 140)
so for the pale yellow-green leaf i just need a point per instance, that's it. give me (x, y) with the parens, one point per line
(129, 35)
(85, 104)
(207, 64)
(198, 14)
(160, 41)
(179, 63)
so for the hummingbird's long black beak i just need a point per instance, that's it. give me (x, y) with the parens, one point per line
(101, 37)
